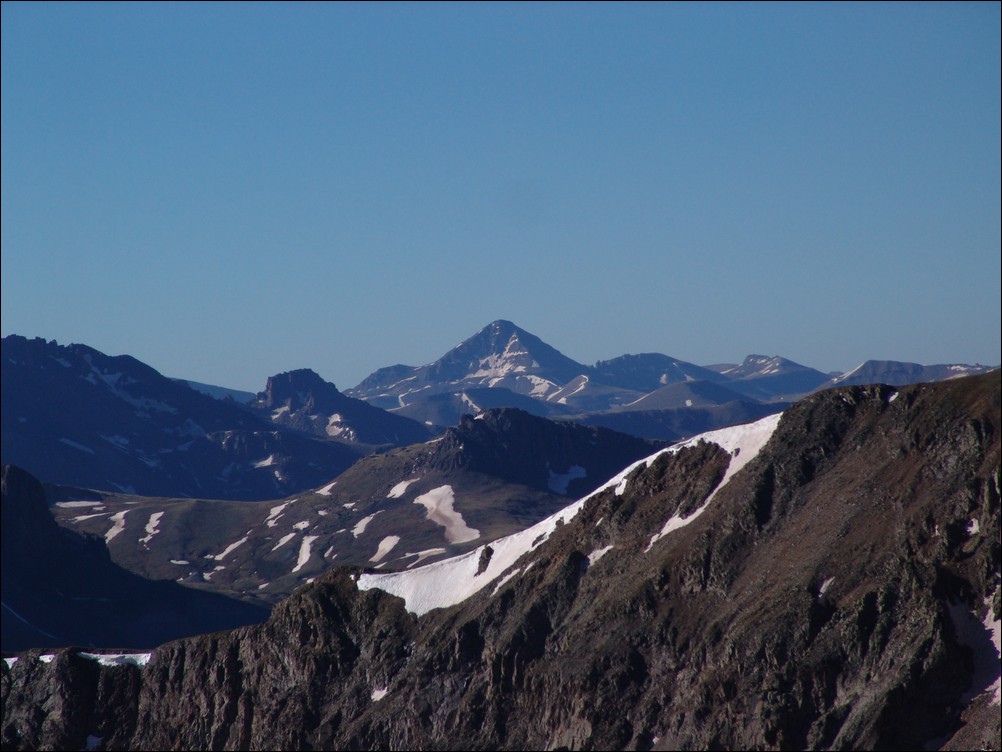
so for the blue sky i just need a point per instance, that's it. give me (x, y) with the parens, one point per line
(228, 191)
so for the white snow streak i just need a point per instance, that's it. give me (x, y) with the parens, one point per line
(230, 548)
(385, 546)
(151, 528)
(272, 519)
(119, 525)
(743, 443)
(598, 554)
(439, 503)
(304, 552)
(398, 490)
(362, 524)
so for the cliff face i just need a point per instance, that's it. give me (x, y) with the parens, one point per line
(832, 594)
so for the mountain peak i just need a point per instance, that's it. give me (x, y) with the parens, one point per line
(294, 388)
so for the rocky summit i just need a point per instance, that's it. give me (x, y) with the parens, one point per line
(825, 579)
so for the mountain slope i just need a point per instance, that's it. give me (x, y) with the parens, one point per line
(61, 588)
(483, 479)
(75, 416)
(818, 597)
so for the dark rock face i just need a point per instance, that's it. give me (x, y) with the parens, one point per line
(811, 605)
(522, 448)
(60, 588)
(305, 402)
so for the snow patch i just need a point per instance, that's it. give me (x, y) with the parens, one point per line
(82, 517)
(272, 519)
(385, 546)
(598, 554)
(119, 525)
(439, 505)
(304, 552)
(283, 540)
(151, 528)
(119, 659)
(266, 462)
(378, 694)
(504, 580)
(75, 504)
(422, 555)
(230, 548)
(180, 561)
(445, 583)
(362, 524)
(326, 490)
(302, 525)
(398, 490)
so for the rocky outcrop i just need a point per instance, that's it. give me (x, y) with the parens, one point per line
(818, 601)
(303, 401)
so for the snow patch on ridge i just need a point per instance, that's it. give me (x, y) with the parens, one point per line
(742, 442)
(451, 581)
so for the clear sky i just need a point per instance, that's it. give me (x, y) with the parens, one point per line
(233, 190)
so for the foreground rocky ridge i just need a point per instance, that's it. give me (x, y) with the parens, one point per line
(823, 600)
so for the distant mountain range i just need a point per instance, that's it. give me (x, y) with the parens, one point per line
(74, 416)
(503, 365)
